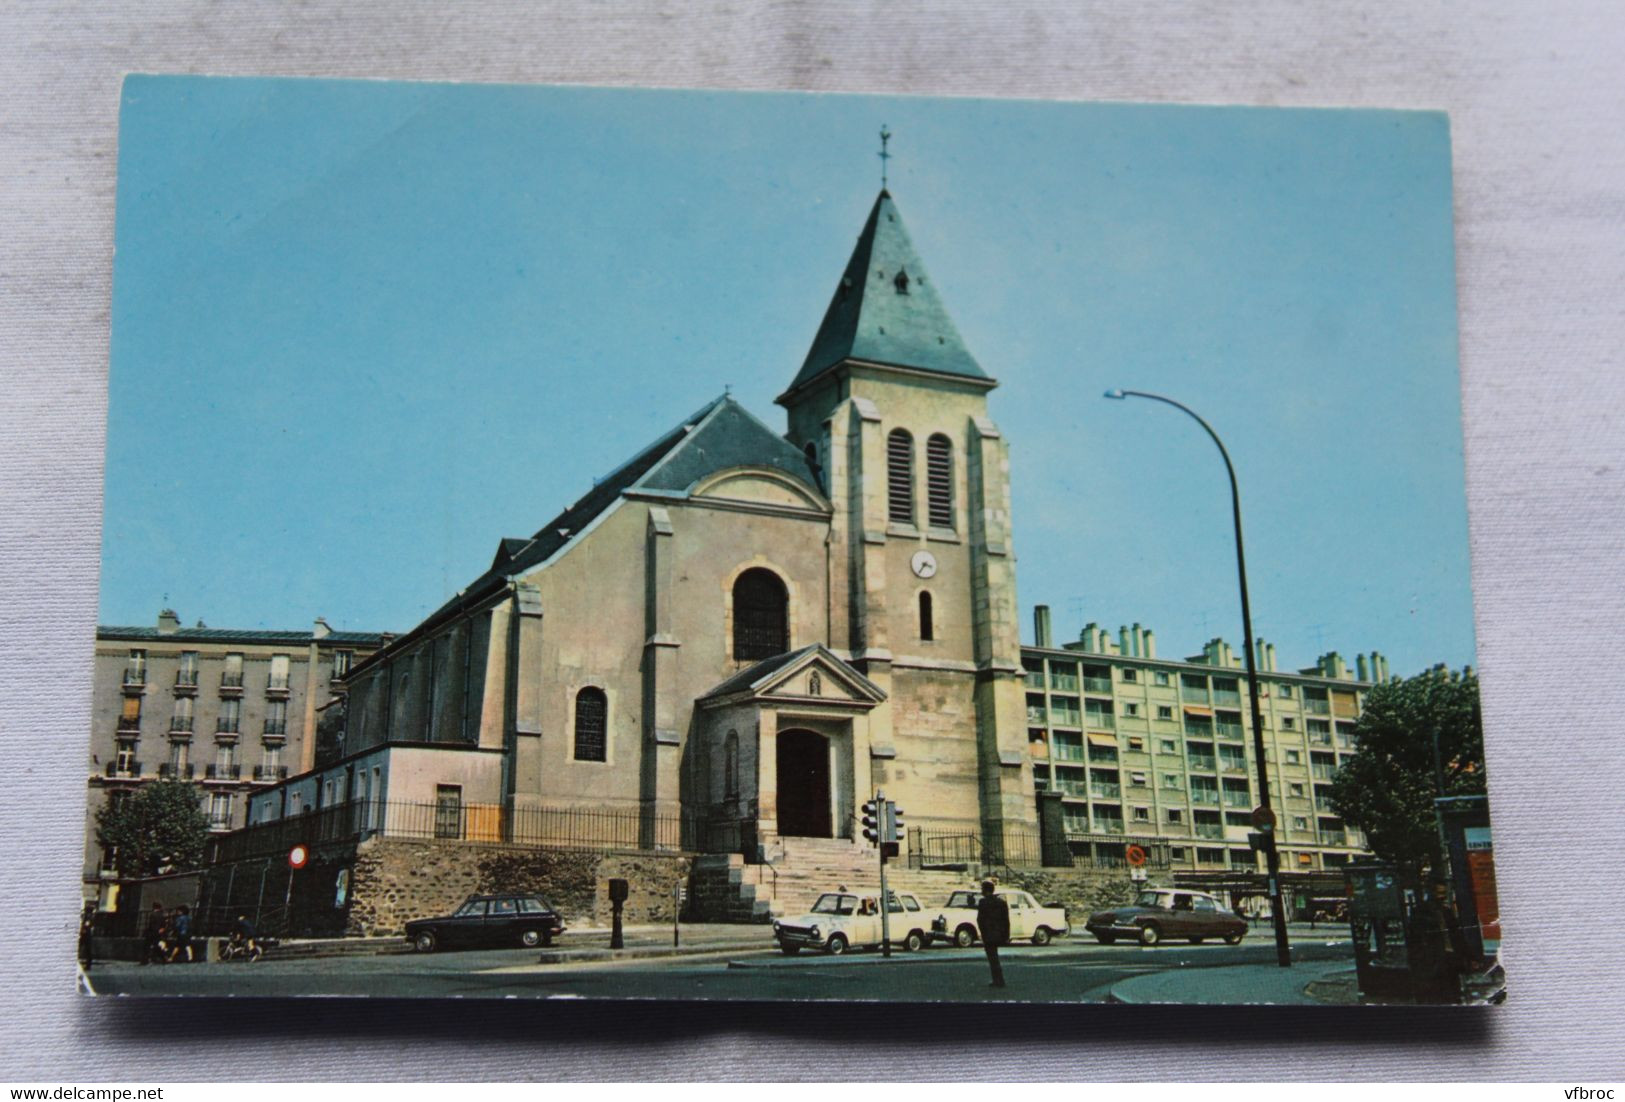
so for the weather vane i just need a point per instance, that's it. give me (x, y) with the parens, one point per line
(885, 136)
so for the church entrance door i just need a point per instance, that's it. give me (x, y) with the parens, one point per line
(803, 784)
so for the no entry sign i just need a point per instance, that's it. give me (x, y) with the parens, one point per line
(298, 856)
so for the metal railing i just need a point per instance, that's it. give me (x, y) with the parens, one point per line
(186, 679)
(231, 680)
(172, 772)
(1097, 685)
(1105, 791)
(1103, 721)
(224, 726)
(223, 772)
(1229, 730)
(137, 676)
(1317, 707)
(180, 725)
(270, 772)
(1203, 763)
(1209, 830)
(276, 683)
(1017, 848)
(132, 769)
(276, 727)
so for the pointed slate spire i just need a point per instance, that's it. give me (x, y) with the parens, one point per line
(886, 310)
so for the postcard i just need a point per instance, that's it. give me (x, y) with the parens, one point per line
(564, 542)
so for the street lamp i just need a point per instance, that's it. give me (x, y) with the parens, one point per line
(1266, 817)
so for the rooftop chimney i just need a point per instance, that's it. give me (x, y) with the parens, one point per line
(168, 622)
(1041, 632)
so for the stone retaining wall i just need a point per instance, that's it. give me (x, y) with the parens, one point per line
(394, 881)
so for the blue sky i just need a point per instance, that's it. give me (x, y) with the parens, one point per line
(362, 331)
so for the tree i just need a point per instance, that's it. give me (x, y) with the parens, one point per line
(161, 828)
(1388, 787)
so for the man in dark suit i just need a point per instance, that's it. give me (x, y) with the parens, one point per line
(993, 923)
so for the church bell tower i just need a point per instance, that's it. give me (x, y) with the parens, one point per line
(891, 409)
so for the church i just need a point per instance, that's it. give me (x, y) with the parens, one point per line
(740, 634)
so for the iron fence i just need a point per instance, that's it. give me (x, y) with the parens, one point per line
(1016, 848)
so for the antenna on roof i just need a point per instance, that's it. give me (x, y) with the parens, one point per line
(885, 136)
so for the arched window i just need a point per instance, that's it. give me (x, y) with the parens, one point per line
(592, 725)
(927, 629)
(730, 766)
(761, 616)
(900, 477)
(817, 468)
(939, 481)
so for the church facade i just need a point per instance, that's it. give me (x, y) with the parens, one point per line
(740, 634)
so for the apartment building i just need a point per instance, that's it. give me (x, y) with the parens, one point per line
(230, 710)
(1159, 751)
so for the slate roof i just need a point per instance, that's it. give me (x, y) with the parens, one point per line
(235, 635)
(719, 435)
(878, 316)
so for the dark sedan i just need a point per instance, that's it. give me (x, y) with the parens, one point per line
(1163, 913)
(519, 921)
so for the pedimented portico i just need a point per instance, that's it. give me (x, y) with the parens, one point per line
(786, 745)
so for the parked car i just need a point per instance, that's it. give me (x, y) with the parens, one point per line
(1162, 913)
(520, 921)
(840, 921)
(956, 922)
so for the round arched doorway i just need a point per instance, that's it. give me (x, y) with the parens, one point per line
(803, 784)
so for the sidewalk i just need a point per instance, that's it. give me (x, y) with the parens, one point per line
(1312, 983)
(579, 943)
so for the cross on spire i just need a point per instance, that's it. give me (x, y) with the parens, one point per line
(885, 136)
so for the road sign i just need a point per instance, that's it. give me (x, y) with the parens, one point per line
(1264, 818)
(298, 857)
(1135, 856)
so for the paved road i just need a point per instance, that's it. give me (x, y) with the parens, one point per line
(1076, 970)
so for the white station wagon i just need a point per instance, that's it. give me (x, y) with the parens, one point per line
(849, 920)
(956, 923)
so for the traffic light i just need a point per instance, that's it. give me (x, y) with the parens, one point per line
(871, 823)
(891, 834)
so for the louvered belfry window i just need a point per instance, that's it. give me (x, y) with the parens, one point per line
(900, 477)
(939, 480)
(761, 616)
(592, 723)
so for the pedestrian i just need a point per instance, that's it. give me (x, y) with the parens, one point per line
(180, 934)
(154, 951)
(993, 923)
(87, 932)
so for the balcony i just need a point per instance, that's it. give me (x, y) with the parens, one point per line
(1209, 830)
(1237, 799)
(231, 684)
(1100, 790)
(1232, 731)
(1233, 765)
(1063, 752)
(1323, 772)
(1202, 763)
(1102, 685)
(128, 770)
(1071, 788)
(1037, 716)
(169, 771)
(270, 773)
(1208, 796)
(223, 773)
(226, 725)
(129, 724)
(276, 728)
(1100, 721)
(1193, 694)
(1317, 707)
(1333, 838)
(186, 681)
(1062, 716)
(1230, 697)
(277, 685)
(1108, 826)
(180, 725)
(135, 681)
(1064, 682)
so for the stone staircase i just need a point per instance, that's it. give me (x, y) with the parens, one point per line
(723, 888)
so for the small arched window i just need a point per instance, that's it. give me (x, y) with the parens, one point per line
(730, 766)
(592, 725)
(939, 481)
(927, 628)
(900, 477)
(761, 616)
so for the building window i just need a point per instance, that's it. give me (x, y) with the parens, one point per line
(186, 675)
(1142, 815)
(1295, 789)
(276, 717)
(130, 714)
(761, 616)
(230, 718)
(1136, 743)
(220, 811)
(135, 672)
(1171, 780)
(232, 676)
(1162, 677)
(181, 722)
(279, 673)
(1293, 757)
(926, 632)
(1288, 723)
(448, 811)
(125, 762)
(341, 663)
(1137, 780)
(1168, 746)
(1130, 708)
(1286, 692)
(592, 724)
(900, 477)
(1131, 676)
(1165, 711)
(817, 468)
(730, 766)
(939, 481)
(1175, 815)
(1300, 822)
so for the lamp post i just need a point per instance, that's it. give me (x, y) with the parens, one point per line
(1272, 857)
